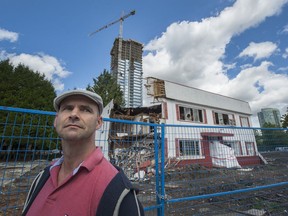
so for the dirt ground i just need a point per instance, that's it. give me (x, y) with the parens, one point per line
(186, 181)
(15, 182)
(198, 181)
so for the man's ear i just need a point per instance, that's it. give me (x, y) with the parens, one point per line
(55, 119)
(99, 122)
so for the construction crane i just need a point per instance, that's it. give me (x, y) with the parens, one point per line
(119, 51)
(121, 19)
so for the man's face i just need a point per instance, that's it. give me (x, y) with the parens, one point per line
(77, 119)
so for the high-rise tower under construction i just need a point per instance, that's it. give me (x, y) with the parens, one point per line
(126, 65)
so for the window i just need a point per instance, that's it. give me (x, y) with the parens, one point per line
(250, 148)
(244, 121)
(191, 114)
(189, 147)
(224, 119)
(235, 145)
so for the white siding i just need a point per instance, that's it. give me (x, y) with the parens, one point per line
(204, 98)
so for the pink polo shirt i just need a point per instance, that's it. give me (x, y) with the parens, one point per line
(79, 194)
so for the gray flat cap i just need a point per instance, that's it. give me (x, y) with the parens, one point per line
(89, 94)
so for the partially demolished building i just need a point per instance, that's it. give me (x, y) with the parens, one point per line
(185, 106)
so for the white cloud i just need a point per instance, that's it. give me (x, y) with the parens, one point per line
(285, 29)
(191, 53)
(259, 50)
(245, 66)
(47, 65)
(260, 86)
(283, 69)
(8, 35)
(285, 54)
(58, 84)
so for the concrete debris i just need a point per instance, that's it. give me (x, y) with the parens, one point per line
(256, 212)
(137, 162)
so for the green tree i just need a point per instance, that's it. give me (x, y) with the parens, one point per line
(22, 87)
(273, 136)
(284, 119)
(106, 86)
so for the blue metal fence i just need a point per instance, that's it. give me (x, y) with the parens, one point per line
(180, 170)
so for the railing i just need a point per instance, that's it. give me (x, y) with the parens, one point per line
(180, 170)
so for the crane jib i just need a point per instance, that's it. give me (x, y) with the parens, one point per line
(121, 19)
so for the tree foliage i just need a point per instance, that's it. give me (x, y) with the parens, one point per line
(106, 86)
(22, 87)
(272, 137)
(284, 119)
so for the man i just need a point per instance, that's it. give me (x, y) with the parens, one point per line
(82, 182)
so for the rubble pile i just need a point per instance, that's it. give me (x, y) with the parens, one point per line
(137, 162)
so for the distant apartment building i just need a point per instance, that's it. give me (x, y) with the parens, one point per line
(269, 115)
(126, 66)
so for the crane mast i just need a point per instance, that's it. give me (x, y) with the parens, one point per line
(119, 51)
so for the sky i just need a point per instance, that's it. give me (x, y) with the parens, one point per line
(237, 48)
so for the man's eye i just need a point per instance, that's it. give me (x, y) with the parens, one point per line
(86, 110)
(67, 108)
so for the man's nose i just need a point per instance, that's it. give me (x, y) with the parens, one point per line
(74, 115)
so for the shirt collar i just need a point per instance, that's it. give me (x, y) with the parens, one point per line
(93, 159)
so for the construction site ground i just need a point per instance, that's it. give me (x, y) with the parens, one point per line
(195, 180)
(181, 182)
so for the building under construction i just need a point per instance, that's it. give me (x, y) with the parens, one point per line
(126, 65)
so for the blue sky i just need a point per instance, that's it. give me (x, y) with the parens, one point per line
(237, 48)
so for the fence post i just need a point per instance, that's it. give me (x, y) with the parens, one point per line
(156, 147)
(162, 194)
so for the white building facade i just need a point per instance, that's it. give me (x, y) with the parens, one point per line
(219, 119)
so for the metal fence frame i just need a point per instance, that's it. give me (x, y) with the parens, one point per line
(159, 191)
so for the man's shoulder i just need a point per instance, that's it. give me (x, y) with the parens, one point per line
(105, 168)
(97, 163)
(118, 190)
(121, 178)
